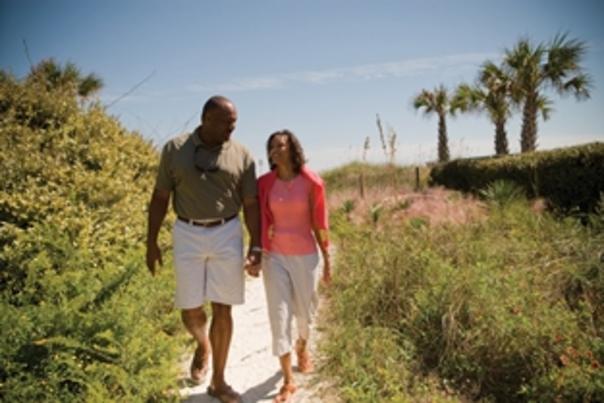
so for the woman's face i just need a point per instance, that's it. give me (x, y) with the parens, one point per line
(279, 150)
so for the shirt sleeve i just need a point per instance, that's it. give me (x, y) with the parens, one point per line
(164, 180)
(320, 213)
(248, 178)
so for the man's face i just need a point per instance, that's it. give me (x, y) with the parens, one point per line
(220, 122)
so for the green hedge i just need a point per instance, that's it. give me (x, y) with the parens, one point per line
(82, 320)
(568, 178)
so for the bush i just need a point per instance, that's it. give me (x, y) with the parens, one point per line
(82, 319)
(502, 193)
(569, 178)
(505, 309)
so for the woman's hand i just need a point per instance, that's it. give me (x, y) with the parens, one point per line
(326, 270)
(253, 262)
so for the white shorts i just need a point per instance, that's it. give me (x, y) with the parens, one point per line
(208, 263)
(290, 283)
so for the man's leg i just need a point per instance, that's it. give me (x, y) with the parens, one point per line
(195, 320)
(221, 331)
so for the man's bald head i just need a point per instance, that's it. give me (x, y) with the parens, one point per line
(216, 102)
(218, 119)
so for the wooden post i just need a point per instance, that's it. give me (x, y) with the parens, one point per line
(417, 186)
(362, 185)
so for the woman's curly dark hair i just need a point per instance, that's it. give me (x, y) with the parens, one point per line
(295, 150)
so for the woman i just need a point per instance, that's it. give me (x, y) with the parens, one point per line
(293, 209)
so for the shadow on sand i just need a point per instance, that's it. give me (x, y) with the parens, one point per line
(254, 394)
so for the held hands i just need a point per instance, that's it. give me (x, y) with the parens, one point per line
(153, 255)
(253, 262)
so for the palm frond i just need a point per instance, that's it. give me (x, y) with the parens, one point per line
(544, 106)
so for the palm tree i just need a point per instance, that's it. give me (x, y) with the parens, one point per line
(437, 102)
(490, 94)
(535, 68)
(69, 77)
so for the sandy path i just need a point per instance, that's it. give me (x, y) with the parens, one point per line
(251, 368)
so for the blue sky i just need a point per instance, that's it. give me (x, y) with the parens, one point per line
(320, 68)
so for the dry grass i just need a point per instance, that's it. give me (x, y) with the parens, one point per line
(433, 205)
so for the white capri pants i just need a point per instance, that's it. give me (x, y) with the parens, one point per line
(208, 263)
(291, 284)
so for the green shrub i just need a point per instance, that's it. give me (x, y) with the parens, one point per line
(502, 192)
(571, 177)
(82, 318)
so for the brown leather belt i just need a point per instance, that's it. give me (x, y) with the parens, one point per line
(207, 224)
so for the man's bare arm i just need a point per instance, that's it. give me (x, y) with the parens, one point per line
(158, 208)
(251, 213)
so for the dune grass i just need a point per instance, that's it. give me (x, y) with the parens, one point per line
(506, 308)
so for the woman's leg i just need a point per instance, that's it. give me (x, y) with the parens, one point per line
(286, 367)
(305, 279)
(278, 289)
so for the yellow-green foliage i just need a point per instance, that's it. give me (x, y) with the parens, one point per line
(82, 320)
(571, 177)
(505, 309)
(374, 175)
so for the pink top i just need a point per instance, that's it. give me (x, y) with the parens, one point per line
(289, 202)
(318, 207)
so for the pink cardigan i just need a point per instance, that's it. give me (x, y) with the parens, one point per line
(318, 207)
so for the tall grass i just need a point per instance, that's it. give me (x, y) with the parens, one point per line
(509, 308)
(375, 176)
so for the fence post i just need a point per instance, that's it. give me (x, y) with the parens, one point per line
(362, 185)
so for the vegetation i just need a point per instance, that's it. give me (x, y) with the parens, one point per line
(82, 319)
(533, 68)
(376, 176)
(438, 102)
(388, 142)
(527, 71)
(569, 178)
(492, 95)
(53, 77)
(507, 308)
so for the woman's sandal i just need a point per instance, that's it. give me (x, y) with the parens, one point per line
(226, 395)
(305, 364)
(285, 393)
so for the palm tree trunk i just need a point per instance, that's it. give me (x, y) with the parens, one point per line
(443, 147)
(528, 135)
(501, 138)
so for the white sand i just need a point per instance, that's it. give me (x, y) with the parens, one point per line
(252, 370)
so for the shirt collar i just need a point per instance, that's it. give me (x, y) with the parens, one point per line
(197, 141)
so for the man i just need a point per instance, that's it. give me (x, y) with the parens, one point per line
(210, 177)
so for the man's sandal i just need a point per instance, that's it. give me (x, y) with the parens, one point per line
(199, 368)
(285, 393)
(226, 395)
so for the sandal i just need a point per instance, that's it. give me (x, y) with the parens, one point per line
(285, 393)
(199, 368)
(226, 395)
(305, 364)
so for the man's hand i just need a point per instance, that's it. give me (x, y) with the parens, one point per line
(253, 263)
(157, 211)
(153, 255)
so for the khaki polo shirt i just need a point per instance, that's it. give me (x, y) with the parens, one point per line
(226, 175)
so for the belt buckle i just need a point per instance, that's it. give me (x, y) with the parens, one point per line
(213, 223)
